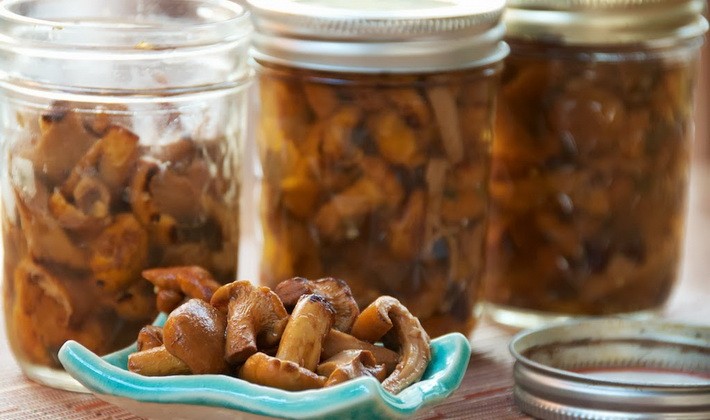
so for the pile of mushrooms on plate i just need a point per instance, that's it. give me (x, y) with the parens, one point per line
(302, 335)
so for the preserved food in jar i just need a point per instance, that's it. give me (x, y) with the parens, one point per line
(590, 168)
(106, 172)
(380, 180)
(375, 141)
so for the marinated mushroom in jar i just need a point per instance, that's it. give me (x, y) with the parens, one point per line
(88, 205)
(382, 180)
(588, 185)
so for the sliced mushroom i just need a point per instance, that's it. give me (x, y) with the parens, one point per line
(46, 239)
(336, 291)
(136, 303)
(305, 332)
(351, 364)
(443, 103)
(270, 371)
(156, 361)
(176, 283)
(149, 337)
(139, 195)
(53, 155)
(257, 318)
(119, 254)
(341, 217)
(119, 148)
(387, 313)
(194, 333)
(338, 341)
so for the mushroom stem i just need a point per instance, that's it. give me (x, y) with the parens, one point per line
(305, 332)
(269, 371)
(156, 361)
(336, 291)
(337, 341)
(350, 364)
(446, 113)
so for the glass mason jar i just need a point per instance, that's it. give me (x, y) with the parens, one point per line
(590, 159)
(375, 136)
(123, 126)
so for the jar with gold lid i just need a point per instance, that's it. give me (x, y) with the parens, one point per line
(123, 125)
(591, 156)
(374, 137)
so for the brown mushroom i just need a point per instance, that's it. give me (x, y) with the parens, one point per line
(176, 283)
(167, 300)
(156, 361)
(257, 318)
(338, 341)
(194, 333)
(305, 332)
(270, 371)
(139, 195)
(53, 155)
(120, 148)
(149, 337)
(119, 253)
(351, 364)
(336, 291)
(387, 313)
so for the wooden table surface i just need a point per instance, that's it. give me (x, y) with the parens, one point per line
(486, 389)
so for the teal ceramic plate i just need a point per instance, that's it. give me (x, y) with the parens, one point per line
(219, 396)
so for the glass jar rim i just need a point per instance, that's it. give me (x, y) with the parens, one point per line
(215, 22)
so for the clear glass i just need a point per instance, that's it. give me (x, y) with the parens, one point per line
(380, 180)
(589, 181)
(123, 128)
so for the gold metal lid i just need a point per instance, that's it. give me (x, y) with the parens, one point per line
(584, 22)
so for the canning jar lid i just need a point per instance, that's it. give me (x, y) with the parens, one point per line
(395, 36)
(613, 369)
(584, 22)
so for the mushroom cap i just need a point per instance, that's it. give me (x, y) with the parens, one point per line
(149, 337)
(266, 370)
(256, 318)
(336, 291)
(192, 281)
(194, 333)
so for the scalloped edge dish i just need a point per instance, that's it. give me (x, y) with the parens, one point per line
(221, 396)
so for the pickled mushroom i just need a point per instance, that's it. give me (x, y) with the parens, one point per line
(383, 315)
(351, 364)
(175, 284)
(256, 317)
(194, 333)
(305, 331)
(266, 370)
(335, 291)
